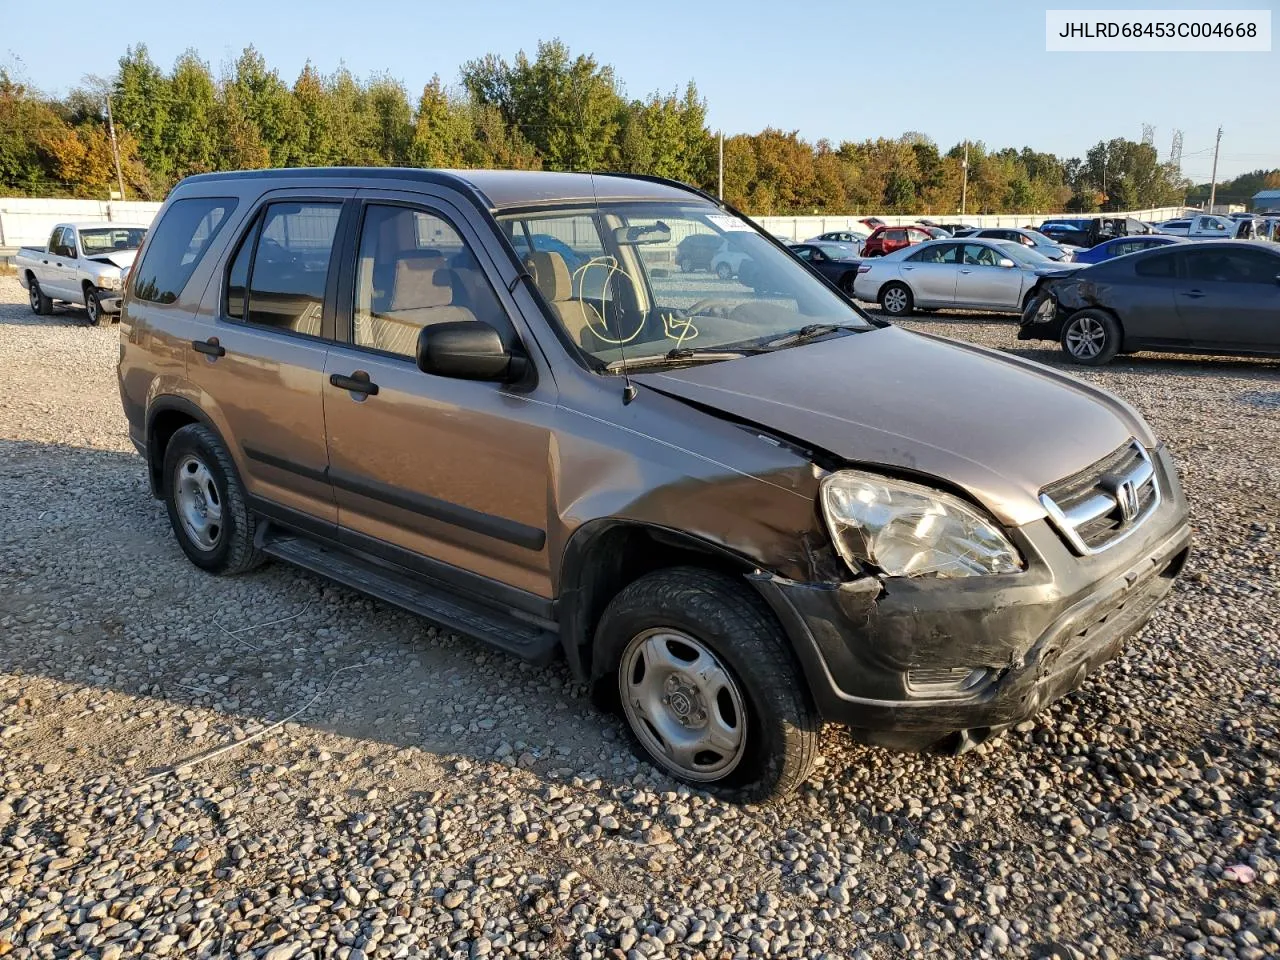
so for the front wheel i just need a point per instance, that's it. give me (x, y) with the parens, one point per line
(93, 306)
(896, 300)
(1091, 337)
(708, 684)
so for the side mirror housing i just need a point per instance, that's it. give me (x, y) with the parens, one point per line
(1006, 262)
(468, 350)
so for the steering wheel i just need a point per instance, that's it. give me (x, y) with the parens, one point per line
(708, 307)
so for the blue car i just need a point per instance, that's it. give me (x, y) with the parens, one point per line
(1119, 246)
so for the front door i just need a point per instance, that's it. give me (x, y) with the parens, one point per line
(1229, 298)
(446, 475)
(982, 282)
(932, 273)
(261, 361)
(62, 265)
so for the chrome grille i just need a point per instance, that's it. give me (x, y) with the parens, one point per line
(1105, 502)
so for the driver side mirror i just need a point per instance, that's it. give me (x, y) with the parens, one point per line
(468, 350)
(1005, 262)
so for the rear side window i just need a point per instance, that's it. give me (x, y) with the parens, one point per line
(1158, 266)
(176, 246)
(278, 276)
(1232, 266)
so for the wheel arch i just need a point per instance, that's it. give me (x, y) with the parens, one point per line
(894, 281)
(604, 556)
(166, 415)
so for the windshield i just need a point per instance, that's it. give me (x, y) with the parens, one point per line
(612, 282)
(111, 240)
(1024, 255)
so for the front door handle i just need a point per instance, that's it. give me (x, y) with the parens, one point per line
(358, 382)
(1194, 294)
(210, 347)
(966, 271)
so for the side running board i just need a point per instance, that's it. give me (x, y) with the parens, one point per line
(352, 569)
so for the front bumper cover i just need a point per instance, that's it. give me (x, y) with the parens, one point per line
(1036, 634)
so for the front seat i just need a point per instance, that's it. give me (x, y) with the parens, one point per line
(551, 274)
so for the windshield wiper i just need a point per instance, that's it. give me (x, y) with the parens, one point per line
(679, 355)
(810, 332)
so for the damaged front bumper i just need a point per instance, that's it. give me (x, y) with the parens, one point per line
(927, 663)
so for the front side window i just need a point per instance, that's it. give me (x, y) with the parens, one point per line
(66, 246)
(895, 236)
(278, 276)
(413, 270)
(1160, 266)
(980, 255)
(176, 245)
(626, 295)
(1231, 266)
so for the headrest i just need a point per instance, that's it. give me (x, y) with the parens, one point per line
(421, 282)
(551, 274)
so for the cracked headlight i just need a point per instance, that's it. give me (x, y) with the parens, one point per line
(908, 530)
(109, 282)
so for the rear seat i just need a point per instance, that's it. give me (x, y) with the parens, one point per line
(422, 294)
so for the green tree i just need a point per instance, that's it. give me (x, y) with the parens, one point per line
(141, 102)
(192, 122)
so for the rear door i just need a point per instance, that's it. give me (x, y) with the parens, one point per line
(261, 361)
(982, 282)
(1228, 298)
(444, 475)
(932, 273)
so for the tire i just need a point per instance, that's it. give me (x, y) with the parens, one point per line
(846, 283)
(724, 272)
(40, 304)
(896, 299)
(684, 265)
(750, 685)
(198, 472)
(93, 306)
(1091, 337)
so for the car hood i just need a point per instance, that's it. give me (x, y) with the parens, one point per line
(117, 258)
(999, 427)
(1057, 269)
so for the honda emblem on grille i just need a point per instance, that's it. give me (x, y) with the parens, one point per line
(1127, 499)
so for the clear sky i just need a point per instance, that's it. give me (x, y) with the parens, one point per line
(841, 70)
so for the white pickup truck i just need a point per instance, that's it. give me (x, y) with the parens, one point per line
(83, 263)
(1202, 226)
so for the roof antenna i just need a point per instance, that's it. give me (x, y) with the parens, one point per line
(629, 391)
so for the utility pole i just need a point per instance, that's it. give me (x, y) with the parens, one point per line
(115, 148)
(720, 193)
(1213, 187)
(964, 183)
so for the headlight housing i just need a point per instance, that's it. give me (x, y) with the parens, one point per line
(908, 530)
(109, 282)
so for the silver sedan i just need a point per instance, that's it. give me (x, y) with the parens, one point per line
(970, 274)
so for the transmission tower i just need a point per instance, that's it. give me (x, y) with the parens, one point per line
(1175, 152)
(1148, 134)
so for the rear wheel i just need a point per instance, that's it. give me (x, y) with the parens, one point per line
(708, 685)
(1091, 337)
(724, 271)
(206, 502)
(40, 304)
(846, 283)
(896, 300)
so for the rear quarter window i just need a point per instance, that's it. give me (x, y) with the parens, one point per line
(176, 246)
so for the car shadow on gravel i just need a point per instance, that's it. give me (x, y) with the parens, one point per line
(61, 317)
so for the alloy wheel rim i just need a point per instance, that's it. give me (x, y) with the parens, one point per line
(91, 305)
(895, 301)
(34, 294)
(198, 501)
(683, 704)
(1085, 337)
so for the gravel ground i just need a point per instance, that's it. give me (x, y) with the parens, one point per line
(427, 798)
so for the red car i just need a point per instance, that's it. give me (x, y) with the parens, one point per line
(888, 239)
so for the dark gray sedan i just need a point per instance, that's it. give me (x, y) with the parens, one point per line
(1219, 296)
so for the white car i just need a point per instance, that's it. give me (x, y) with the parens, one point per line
(967, 274)
(1200, 227)
(728, 260)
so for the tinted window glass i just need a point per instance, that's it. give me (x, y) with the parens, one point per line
(238, 275)
(176, 245)
(1231, 266)
(414, 269)
(940, 253)
(291, 265)
(895, 235)
(1156, 266)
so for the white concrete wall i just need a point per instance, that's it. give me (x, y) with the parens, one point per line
(27, 221)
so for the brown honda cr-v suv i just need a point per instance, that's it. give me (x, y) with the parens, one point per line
(494, 399)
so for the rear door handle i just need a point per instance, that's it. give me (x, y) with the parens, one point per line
(210, 347)
(358, 382)
(966, 271)
(1194, 294)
